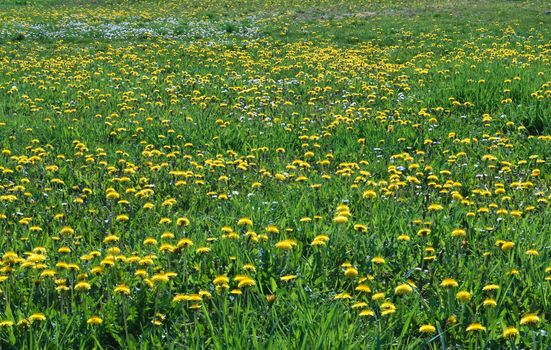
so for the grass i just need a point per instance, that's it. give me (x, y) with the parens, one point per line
(280, 174)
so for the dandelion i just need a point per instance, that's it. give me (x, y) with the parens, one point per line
(245, 222)
(150, 241)
(343, 295)
(202, 250)
(403, 289)
(510, 332)
(359, 305)
(221, 279)
(184, 243)
(183, 221)
(66, 230)
(490, 287)
(122, 218)
(463, 296)
(363, 288)
(288, 278)
(459, 233)
(532, 252)
(435, 207)
(369, 194)
(452, 320)
(37, 317)
(286, 244)
(82, 286)
(23, 323)
(94, 320)
(122, 289)
(367, 313)
(449, 283)
(529, 319)
(160, 278)
(475, 327)
(246, 282)
(340, 219)
(110, 239)
(387, 308)
(318, 243)
(427, 329)
(351, 272)
(6, 324)
(424, 232)
(507, 246)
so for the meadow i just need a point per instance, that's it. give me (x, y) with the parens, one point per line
(282, 174)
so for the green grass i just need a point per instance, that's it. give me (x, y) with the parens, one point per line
(281, 112)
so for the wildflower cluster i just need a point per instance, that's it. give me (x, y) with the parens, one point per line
(176, 184)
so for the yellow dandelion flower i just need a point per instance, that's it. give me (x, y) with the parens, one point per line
(182, 221)
(6, 324)
(435, 207)
(490, 287)
(184, 242)
(272, 229)
(367, 313)
(245, 222)
(427, 329)
(351, 272)
(529, 319)
(82, 286)
(459, 232)
(160, 278)
(359, 305)
(202, 250)
(424, 232)
(475, 327)
(449, 283)
(66, 230)
(221, 279)
(110, 239)
(94, 320)
(403, 289)
(463, 296)
(510, 332)
(532, 252)
(37, 317)
(150, 241)
(246, 282)
(343, 295)
(122, 289)
(507, 246)
(340, 219)
(363, 288)
(369, 194)
(122, 218)
(287, 278)
(286, 244)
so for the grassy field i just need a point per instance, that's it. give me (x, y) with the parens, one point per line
(283, 174)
